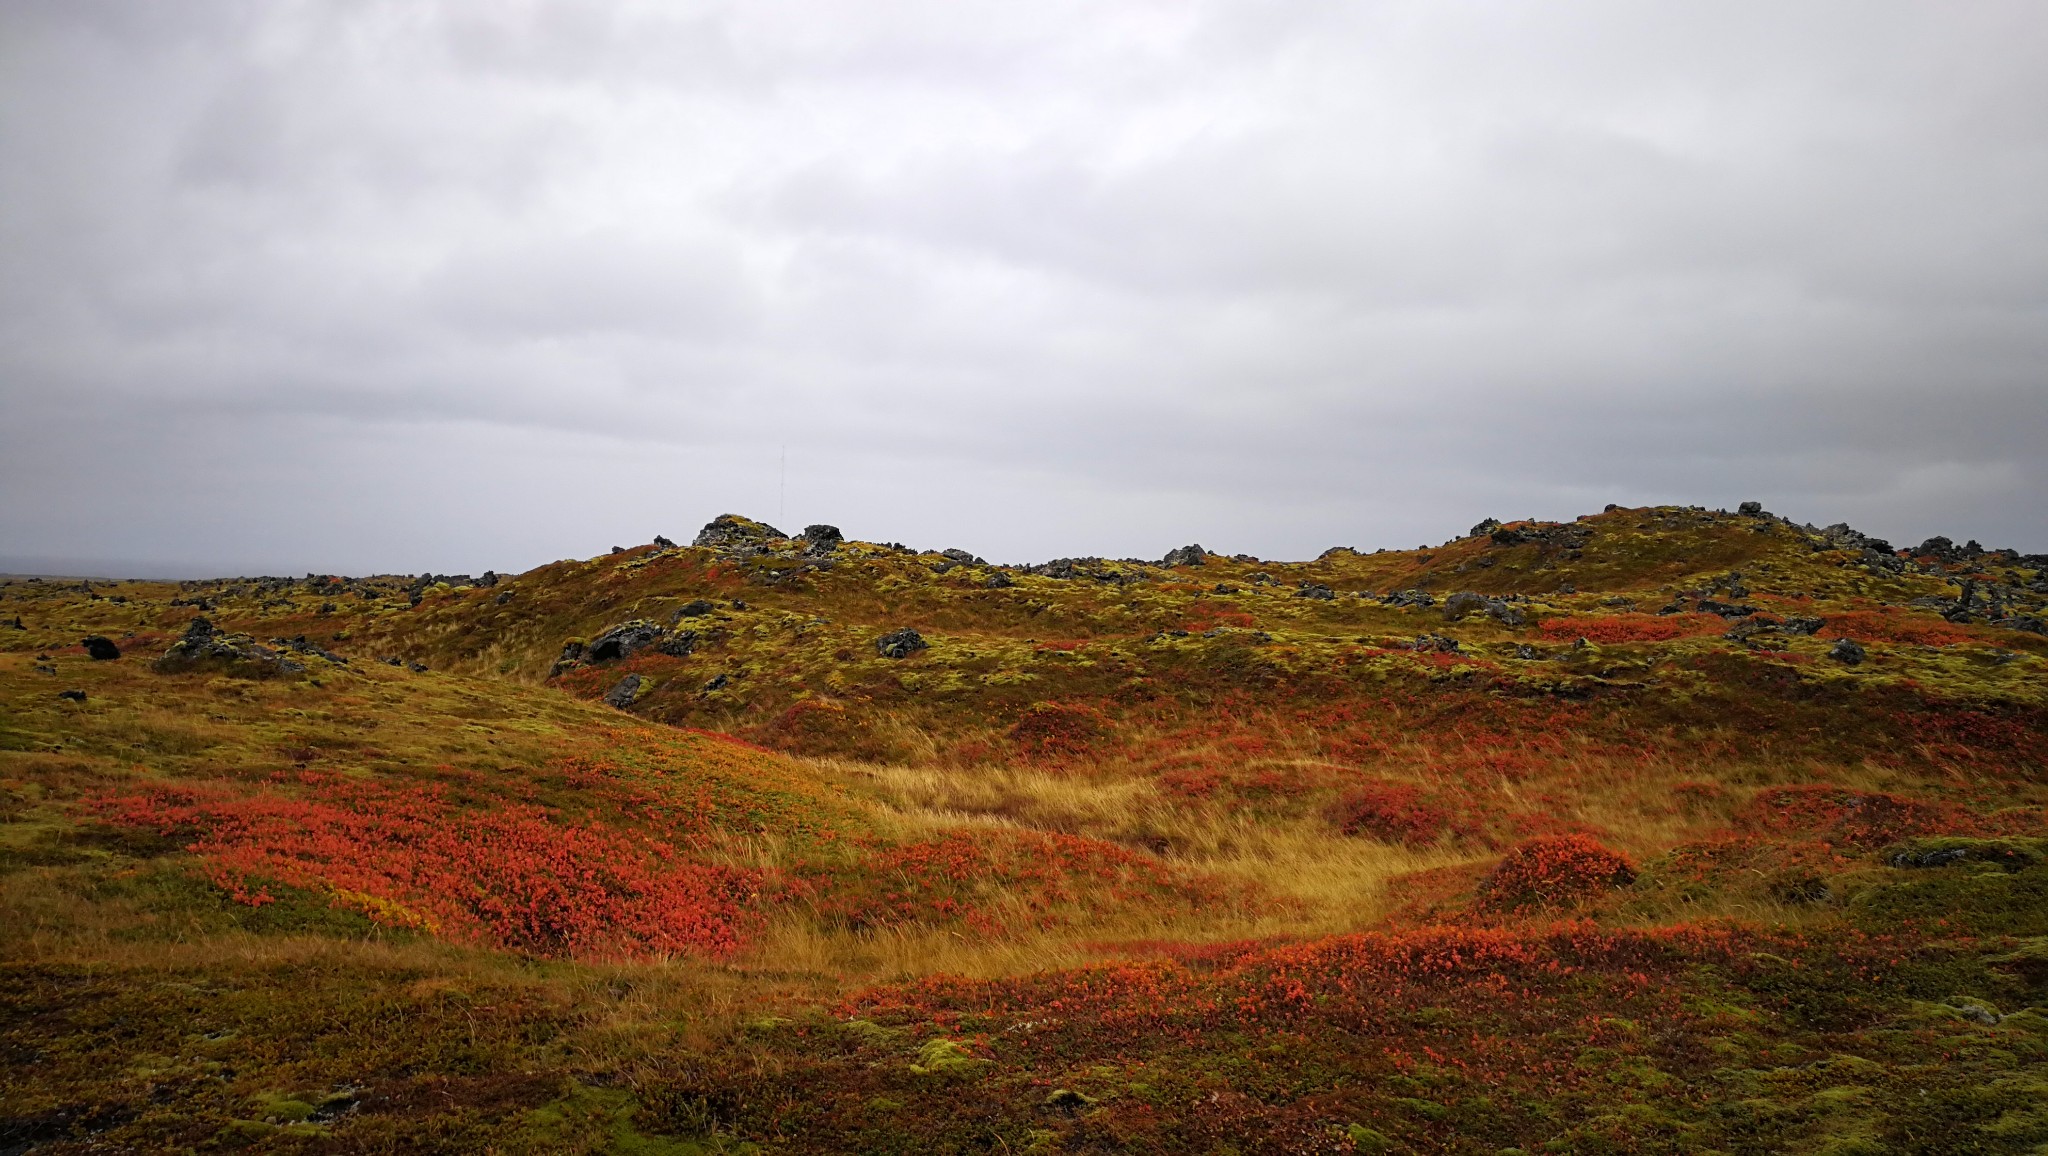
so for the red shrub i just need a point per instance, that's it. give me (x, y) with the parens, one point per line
(1885, 626)
(517, 876)
(1390, 812)
(1554, 871)
(1054, 730)
(1855, 818)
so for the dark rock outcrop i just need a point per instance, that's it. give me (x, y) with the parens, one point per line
(101, 648)
(694, 609)
(734, 532)
(1316, 591)
(624, 640)
(622, 695)
(900, 643)
(204, 645)
(820, 540)
(1846, 652)
(1191, 555)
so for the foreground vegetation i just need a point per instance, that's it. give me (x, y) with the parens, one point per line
(1666, 830)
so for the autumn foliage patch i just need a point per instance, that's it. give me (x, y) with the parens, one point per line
(1051, 730)
(1390, 812)
(517, 876)
(1554, 871)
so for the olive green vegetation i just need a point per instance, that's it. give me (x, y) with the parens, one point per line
(1833, 941)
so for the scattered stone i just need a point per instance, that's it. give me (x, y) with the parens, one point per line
(738, 605)
(962, 557)
(1192, 555)
(622, 695)
(101, 648)
(820, 540)
(1528, 653)
(490, 578)
(1484, 528)
(503, 598)
(394, 660)
(1402, 599)
(1567, 588)
(299, 644)
(1724, 609)
(678, 644)
(1316, 591)
(998, 581)
(661, 543)
(2030, 623)
(618, 549)
(1750, 509)
(1846, 652)
(718, 683)
(900, 643)
(696, 609)
(17, 623)
(1462, 603)
(418, 667)
(1807, 626)
(1435, 643)
(72, 695)
(1506, 613)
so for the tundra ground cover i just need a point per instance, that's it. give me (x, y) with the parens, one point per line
(1250, 856)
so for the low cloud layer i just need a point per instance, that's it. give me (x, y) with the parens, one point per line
(411, 285)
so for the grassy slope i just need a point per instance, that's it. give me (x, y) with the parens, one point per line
(1080, 773)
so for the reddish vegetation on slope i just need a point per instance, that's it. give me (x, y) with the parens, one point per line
(1553, 871)
(515, 876)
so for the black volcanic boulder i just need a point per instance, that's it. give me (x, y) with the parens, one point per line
(624, 640)
(696, 609)
(101, 648)
(622, 695)
(1750, 509)
(734, 532)
(571, 657)
(900, 643)
(961, 557)
(1316, 591)
(1724, 609)
(1191, 555)
(1846, 652)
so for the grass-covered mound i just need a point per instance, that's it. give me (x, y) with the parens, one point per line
(1661, 830)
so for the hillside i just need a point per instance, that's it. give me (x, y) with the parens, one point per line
(1662, 830)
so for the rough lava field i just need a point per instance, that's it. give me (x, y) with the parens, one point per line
(1665, 830)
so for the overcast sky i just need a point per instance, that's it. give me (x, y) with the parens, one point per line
(403, 285)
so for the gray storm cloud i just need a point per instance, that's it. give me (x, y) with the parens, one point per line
(362, 286)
